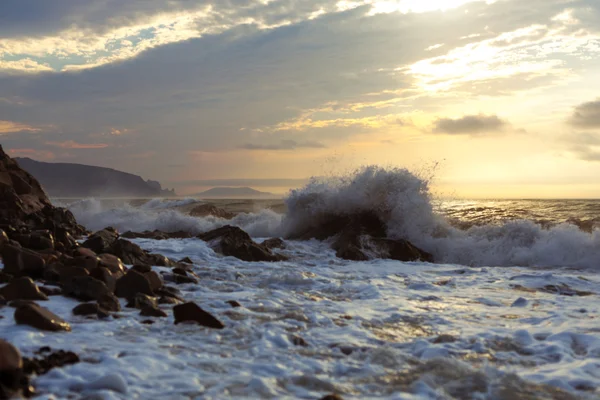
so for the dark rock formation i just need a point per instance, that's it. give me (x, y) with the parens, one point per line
(77, 180)
(11, 366)
(133, 283)
(191, 312)
(40, 318)
(274, 243)
(157, 235)
(22, 289)
(85, 288)
(87, 309)
(152, 312)
(205, 210)
(233, 241)
(43, 364)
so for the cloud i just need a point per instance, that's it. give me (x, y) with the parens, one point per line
(71, 144)
(284, 145)
(470, 125)
(586, 115)
(13, 127)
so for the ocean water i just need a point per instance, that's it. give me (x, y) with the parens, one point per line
(508, 311)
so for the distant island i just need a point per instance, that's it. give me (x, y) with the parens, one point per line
(234, 192)
(78, 180)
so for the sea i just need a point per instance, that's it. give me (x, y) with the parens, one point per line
(509, 310)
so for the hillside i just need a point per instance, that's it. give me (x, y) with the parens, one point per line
(78, 180)
(235, 192)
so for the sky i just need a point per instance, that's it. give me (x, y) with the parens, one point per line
(500, 99)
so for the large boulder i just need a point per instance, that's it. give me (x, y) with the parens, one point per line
(233, 241)
(22, 289)
(133, 283)
(22, 262)
(11, 365)
(85, 288)
(39, 317)
(23, 202)
(101, 241)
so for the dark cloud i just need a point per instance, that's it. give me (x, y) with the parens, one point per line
(470, 125)
(284, 145)
(586, 115)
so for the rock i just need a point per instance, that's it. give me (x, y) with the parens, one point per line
(179, 279)
(22, 289)
(41, 240)
(351, 246)
(66, 273)
(112, 263)
(23, 202)
(274, 243)
(332, 396)
(102, 240)
(22, 262)
(152, 312)
(168, 300)
(41, 365)
(191, 312)
(51, 291)
(11, 365)
(109, 302)
(170, 291)
(85, 262)
(131, 253)
(85, 288)
(298, 341)
(40, 318)
(205, 210)
(5, 278)
(84, 252)
(154, 279)
(19, 303)
(90, 309)
(186, 260)
(105, 276)
(132, 283)
(233, 241)
(233, 303)
(141, 301)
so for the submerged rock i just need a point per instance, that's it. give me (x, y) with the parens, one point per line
(191, 312)
(233, 241)
(41, 318)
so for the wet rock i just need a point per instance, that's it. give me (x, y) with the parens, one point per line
(131, 253)
(109, 302)
(153, 312)
(179, 279)
(154, 279)
(186, 260)
(132, 283)
(40, 318)
(22, 262)
(11, 365)
(170, 291)
(22, 289)
(350, 246)
(56, 359)
(41, 240)
(112, 263)
(141, 301)
(233, 303)
(233, 241)
(85, 262)
(444, 338)
(19, 303)
(85, 288)
(298, 341)
(332, 397)
(105, 276)
(205, 210)
(191, 312)
(147, 322)
(168, 300)
(274, 243)
(87, 309)
(102, 240)
(51, 291)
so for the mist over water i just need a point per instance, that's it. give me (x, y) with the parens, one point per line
(508, 233)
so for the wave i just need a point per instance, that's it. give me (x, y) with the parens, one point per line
(404, 202)
(95, 214)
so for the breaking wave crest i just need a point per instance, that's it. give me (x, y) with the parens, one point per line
(404, 202)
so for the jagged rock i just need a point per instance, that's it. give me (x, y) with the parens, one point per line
(85, 288)
(131, 253)
(22, 289)
(40, 318)
(186, 260)
(274, 243)
(152, 312)
(191, 312)
(170, 291)
(90, 309)
(179, 279)
(22, 262)
(205, 210)
(23, 202)
(101, 241)
(233, 241)
(332, 396)
(11, 366)
(132, 283)
(141, 301)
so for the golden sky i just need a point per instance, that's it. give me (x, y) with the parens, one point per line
(503, 96)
